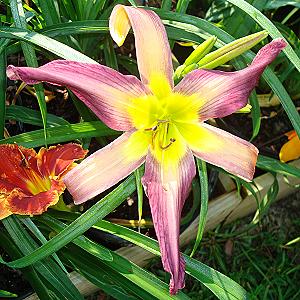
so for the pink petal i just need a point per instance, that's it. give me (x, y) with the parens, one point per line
(222, 93)
(167, 187)
(152, 47)
(221, 148)
(105, 91)
(106, 167)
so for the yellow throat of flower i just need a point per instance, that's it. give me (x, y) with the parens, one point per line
(157, 117)
(37, 184)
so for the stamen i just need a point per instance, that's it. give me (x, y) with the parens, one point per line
(172, 140)
(153, 137)
(151, 129)
(24, 163)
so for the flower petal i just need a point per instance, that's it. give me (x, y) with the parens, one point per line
(152, 47)
(14, 172)
(222, 93)
(107, 166)
(105, 91)
(167, 187)
(57, 159)
(4, 212)
(221, 148)
(23, 204)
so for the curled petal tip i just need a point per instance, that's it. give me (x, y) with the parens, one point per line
(280, 43)
(11, 74)
(179, 282)
(119, 25)
(152, 45)
(268, 53)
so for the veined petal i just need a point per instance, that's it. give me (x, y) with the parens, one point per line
(222, 93)
(23, 204)
(4, 212)
(55, 160)
(167, 187)
(221, 148)
(152, 47)
(14, 171)
(107, 166)
(105, 91)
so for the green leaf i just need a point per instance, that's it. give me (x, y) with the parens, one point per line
(129, 270)
(182, 6)
(133, 3)
(31, 59)
(37, 282)
(219, 11)
(93, 8)
(255, 113)
(60, 282)
(166, 4)
(273, 165)
(77, 27)
(204, 202)
(273, 4)
(80, 225)
(59, 134)
(109, 54)
(107, 279)
(45, 42)
(81, 241)
(139, 189)
(222, 286)
(38, 234)
(33, 117)
(239, 23)
(267, 200)
(49, 11)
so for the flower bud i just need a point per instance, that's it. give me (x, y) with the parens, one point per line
(231, 50)
(201, 51)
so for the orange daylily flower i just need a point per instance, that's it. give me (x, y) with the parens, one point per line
(30, 182)
(291, 149)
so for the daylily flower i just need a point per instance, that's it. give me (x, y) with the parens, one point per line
(30, 182)
(291, 149)
(164, 124)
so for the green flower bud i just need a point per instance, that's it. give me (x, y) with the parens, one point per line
(232, 50)
(201, 51)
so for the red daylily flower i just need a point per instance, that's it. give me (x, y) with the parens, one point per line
(30, 182)
(164, 124)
